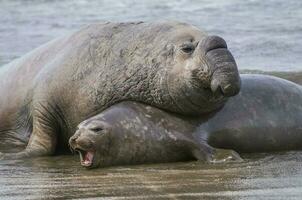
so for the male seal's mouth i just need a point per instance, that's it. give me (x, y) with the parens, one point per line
(87, 157)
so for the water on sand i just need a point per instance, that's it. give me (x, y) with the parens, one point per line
(261, 176)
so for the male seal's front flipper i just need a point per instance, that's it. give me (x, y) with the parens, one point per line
(43, 139)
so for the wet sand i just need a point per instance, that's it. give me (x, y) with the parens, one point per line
(260, 176)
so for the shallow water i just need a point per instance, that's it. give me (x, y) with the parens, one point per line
(261, 176)
(263, 35)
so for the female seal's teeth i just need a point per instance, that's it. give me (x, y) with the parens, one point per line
(86, 162)
(81, 156)
(88, 158)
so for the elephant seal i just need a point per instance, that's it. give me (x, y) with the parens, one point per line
(265, 116)
(133, 133)
(170, 65)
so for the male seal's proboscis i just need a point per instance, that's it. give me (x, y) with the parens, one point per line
(265, 116)
(45, 94)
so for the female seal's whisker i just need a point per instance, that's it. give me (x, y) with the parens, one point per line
(71, 149)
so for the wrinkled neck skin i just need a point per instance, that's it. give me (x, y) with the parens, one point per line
(190, 91)
(155, 83)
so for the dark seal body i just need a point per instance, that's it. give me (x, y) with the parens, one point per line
(170, 65)
(265, 116)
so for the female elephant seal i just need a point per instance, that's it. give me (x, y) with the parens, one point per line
(265, 116)
(170, 65)
(134, 133)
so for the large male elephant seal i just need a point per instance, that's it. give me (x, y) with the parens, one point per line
(170, 65)
(265, 116)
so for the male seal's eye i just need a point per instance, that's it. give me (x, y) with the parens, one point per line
(188, 48)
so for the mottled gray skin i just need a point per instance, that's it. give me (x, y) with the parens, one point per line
(174, 66)
(131, 133)
(265, 116)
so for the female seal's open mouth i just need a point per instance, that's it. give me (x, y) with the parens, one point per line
(86, 157)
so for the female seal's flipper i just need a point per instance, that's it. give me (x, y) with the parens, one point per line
(215, 155)
(225, 155)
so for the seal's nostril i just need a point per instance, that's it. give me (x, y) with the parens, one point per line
(229, 90)
(226, 88)
(84, 143)
(72, 140)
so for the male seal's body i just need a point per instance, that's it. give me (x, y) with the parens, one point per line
(265, 116)
(170, 65)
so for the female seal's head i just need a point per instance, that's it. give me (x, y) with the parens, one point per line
(92, 141)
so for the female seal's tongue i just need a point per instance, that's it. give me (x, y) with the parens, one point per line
(88, 158)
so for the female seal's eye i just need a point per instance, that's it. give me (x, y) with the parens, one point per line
(188, 48)
(96, 129)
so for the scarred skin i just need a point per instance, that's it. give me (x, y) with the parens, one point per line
(131, 133)
(265, 116)
(170, 65)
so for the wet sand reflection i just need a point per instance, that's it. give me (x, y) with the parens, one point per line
(269, 176)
